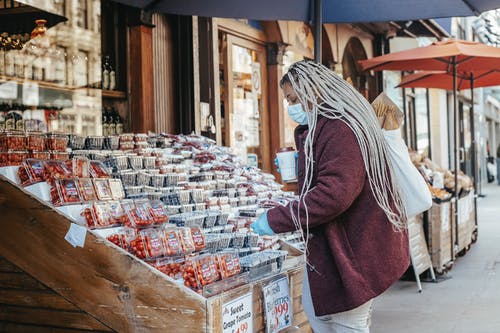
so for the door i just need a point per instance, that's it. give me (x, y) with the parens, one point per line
(244, 110)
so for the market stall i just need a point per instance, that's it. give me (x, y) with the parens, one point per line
(136, 233)
(447, 237)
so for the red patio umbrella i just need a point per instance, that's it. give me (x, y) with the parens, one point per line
(452, 56)
(444, 80)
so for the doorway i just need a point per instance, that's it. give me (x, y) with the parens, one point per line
(244, 109)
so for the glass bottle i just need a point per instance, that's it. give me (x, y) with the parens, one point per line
(105, 125)
(111, 122)
(105, 73)
(112, 78)
(119, 124)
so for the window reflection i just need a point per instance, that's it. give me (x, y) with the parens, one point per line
(56, 76)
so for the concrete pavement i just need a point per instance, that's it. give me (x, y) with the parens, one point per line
(468, 302)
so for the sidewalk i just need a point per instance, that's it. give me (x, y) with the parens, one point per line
(469, 302)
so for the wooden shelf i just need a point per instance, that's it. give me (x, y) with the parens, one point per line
(116, 94)
(41, 84)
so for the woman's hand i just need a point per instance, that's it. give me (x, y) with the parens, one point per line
(261, 226)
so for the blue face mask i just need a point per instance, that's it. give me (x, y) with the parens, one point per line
(297, 114)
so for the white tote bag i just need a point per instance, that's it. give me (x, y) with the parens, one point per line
(415, 193)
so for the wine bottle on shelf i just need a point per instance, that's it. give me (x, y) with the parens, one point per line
(111, 121)
(105, 125)
(119, 124)
(112, 78)
(105, 73)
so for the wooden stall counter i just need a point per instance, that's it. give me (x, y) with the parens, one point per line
(47, 285)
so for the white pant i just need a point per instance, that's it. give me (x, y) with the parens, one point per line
(356, 320)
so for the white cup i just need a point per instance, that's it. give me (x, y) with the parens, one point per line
(288, 165)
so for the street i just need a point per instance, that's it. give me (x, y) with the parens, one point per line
(468, 302)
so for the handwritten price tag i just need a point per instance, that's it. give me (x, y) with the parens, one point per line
(277, 305)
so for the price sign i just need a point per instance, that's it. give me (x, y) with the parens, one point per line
(277, 305)
(237, 315)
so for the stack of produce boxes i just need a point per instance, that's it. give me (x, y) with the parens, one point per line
(180, 203)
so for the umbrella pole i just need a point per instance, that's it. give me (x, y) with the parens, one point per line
(473, 143)
(318, 23)
(455, 145)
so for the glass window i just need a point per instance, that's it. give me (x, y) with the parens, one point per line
(81, 14)
(422, 120)
(49, 78)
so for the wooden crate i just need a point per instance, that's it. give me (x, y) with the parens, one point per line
(100, 287)
(439, 235)
(465, 223)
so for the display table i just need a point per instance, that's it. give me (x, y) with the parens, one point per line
(101, 287)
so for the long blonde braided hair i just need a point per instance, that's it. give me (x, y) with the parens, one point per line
(332, 97)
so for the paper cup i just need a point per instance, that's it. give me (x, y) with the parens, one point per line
(288, 165)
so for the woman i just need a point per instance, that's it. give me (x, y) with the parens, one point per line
(349, 211)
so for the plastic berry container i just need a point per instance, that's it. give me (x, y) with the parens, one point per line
(102, 189)
(65, 192)
(143, 178)
(121, 237)
(171, 266)
(148, 244)
(57, 142)
(41, 155)
(97, 216)
(157, 212)
(80, 166)
(94, 142)
(77, 142)
(86, 189)
(211, 218)
(198, 238)
(116, 187)
(31, 172)
(129, 178)
(13, 141)
(99, 170)
(157, 180)
(13, 157)
(171, 242)
(36, 141)
(117, 215)
(206, 270)
(59, 155)
(186, 239)
(238, 240)
(55, 169)
(228, 264)
(149, 162)
(138, 213)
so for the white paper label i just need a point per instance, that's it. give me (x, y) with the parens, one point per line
(76, 235)
(237, 315)
(277, 305)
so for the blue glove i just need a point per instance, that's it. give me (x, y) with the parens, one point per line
(261, 226)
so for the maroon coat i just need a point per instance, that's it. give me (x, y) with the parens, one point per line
(354, 252)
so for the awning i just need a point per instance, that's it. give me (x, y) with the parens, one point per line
(334, 11)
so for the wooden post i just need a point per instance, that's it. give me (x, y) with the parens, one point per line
(275, 53)
(142, 117)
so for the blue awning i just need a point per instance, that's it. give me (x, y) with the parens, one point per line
(334, 11)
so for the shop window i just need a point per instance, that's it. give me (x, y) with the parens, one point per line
(421, 121)
(81, 69)
(81, 14)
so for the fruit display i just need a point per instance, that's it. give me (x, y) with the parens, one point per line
(180, 203)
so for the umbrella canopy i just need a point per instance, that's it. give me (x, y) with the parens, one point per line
(440, 56)
(334, 11)
(444, 80)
